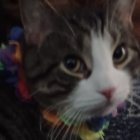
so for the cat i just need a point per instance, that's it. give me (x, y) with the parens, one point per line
(79, 57)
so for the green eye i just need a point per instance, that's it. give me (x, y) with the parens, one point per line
(120, 55)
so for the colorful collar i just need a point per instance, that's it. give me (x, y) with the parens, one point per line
(11, 73)
(91, 130)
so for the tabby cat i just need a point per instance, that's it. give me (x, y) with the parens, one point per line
(79, 56)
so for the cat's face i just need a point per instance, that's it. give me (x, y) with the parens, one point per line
(79, 61)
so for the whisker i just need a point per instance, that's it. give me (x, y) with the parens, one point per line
(63, 126)
(52, 7)
(66, 133)
(78, 129)
(73, 128)
(56, 105)
(54, 130)
(71, 133)
(69, 127)
(54, 127)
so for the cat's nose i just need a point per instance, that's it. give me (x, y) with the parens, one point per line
(108, 93)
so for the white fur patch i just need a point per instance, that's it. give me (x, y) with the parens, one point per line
(104, 75)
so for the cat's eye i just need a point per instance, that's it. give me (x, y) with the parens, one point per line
(73, 65)
(120, 54)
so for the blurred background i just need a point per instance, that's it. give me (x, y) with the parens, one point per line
(9, 16)
(136, 19)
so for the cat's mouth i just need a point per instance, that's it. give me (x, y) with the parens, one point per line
(108, 108)
(104, 110)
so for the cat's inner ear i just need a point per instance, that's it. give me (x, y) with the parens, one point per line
(123, 10)
(37, 18)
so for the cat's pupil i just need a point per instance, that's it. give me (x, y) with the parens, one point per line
(119, 54)
(71, 62)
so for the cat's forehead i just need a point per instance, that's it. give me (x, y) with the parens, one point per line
(84, 20)
(73, 17)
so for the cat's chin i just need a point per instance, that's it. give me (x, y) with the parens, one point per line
(99, 112)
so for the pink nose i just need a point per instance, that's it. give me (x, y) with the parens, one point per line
(108, 92)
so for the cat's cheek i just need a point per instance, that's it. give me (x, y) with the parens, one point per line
(123, 86)
(120, 97)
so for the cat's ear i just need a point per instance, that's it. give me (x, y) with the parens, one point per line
(32, 16)
(123, 10)
(35, 19)
(39, 17)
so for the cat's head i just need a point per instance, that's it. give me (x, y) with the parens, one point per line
(80, 57)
